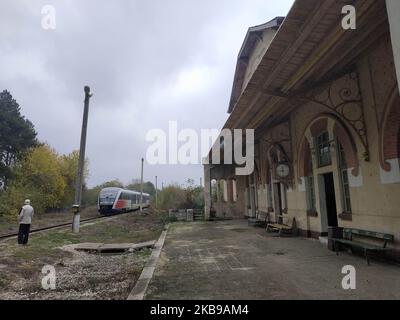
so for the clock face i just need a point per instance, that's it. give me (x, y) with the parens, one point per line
(282, 170)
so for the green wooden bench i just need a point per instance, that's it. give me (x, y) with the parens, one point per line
(367, 247)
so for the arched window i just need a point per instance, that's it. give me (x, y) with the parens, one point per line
(214, 191)
(323, 139)
(234, 191)
(224, 191)
(323, 149)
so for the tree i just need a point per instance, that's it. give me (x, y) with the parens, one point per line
(178, 197)
(194, 195)
(69, 170)
(148, 187)
(38, 177)
(17, 136)
(172, 197)
(90, 196)
(112, 184)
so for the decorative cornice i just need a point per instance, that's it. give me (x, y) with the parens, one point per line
(343, 98)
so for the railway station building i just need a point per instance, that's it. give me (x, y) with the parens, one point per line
(324, 103)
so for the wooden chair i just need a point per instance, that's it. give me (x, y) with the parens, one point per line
(261, 219)
(283, 228)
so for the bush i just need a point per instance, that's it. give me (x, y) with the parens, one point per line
(177, 197)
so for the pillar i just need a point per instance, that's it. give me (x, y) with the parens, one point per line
(393, 9)
(229, 184)
(252, 198)
(207, 192)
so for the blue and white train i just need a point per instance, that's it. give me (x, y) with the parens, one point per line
(114, 200)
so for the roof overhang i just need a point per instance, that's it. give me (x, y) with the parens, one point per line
(310, 48)
(253, 35)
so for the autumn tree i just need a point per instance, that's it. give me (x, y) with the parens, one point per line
(17, 136)
(69, 171)
(39, 178)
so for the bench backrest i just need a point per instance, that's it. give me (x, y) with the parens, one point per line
(291, 222)
(348, 232)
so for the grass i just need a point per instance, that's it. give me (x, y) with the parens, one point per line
(129, 228)
(10, 224)
(25, 262)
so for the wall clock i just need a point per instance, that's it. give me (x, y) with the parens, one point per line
(282, 170)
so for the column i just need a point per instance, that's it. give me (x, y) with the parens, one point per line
(252, 198)
(207, 192)
(393, 9)
(229, 184)
(283, 197)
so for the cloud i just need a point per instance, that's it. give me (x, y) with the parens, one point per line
(147, 62)
(191, 82)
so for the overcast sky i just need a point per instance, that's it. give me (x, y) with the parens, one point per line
(148, 62)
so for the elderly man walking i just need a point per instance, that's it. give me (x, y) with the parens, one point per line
(25, 220)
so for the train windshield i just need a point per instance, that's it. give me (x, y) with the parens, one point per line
(107, 196)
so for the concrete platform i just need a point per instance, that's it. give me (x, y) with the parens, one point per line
(142, 283)
(230, 260)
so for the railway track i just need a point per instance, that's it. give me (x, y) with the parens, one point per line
(59, 226)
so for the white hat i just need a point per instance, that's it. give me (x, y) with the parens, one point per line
(27, 201)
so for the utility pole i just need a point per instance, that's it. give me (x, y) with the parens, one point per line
(81, 165)
(141, 187)
(201, 181)
(156, 193)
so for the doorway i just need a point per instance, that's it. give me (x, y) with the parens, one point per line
(278, 202)
(330, 199)
(253, 207)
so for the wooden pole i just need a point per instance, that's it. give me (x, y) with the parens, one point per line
(156, 194)
(141, 187)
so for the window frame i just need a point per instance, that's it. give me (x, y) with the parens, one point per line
(311, 198)
(323, 144)
(344, 180)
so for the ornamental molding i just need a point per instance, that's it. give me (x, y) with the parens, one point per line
(343, 98)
